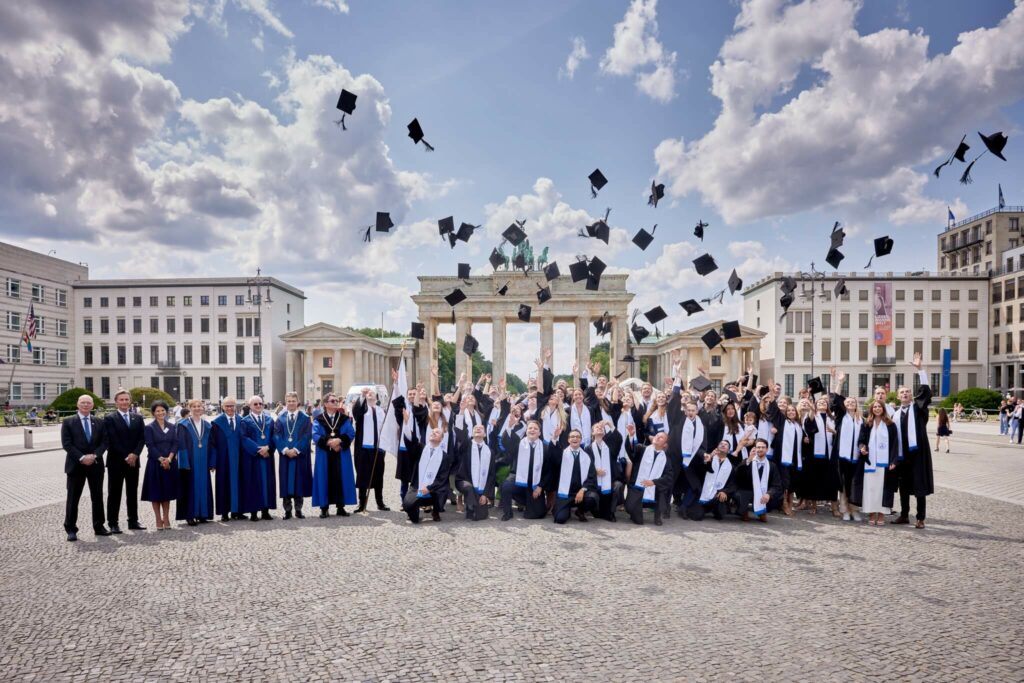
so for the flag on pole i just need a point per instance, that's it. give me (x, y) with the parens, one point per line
(952, 218)
(1002, 202)
(392, 431)
(30, 331)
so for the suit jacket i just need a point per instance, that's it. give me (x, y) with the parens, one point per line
(72, 438)
(122, 439)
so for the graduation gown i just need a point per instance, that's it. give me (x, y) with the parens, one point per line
(334, 478)
(915, 469)
(845, 466)
(696, 472)
(577, 479)
(607, 501)
(227, 444)
(536, 508)
(743, 486)
(295, 474)
(368, 455)
(195, 494)
(414, 500)
(464, 481)
(411, 444)
(862, 482)
(258, 477)
(662, 485)
(819, 479)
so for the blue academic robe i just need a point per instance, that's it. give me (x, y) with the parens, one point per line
(258, 472)
(295, 474)
(227, 444)
(195, 495)
(325, 477)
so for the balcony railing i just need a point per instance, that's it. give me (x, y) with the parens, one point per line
(168, 365)
(977, 217)
(956, 246)
(879, 361)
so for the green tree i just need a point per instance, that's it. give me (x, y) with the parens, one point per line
(144, 396)
(986, 399)
(481, 366)
(68, 401)
(376, 332)
(599, 354)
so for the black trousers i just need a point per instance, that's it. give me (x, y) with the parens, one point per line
(474, 510)
(93, 474)
(536, 508)
(606, 503)
(745, 501)
(412, 503)
(905, 504)
(564, 506)
(697, 510)
(635, 505)
(128, 478)
(286, 503)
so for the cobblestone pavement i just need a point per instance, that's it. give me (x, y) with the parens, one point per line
(374, 598)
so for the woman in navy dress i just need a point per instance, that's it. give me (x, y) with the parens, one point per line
(160, 482)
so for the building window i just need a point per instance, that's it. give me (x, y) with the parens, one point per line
(87, 302)
(936, 351)
(204, 387)
(240, 389)
(954, 349)
(972, 347)
(257, 385)
(137, 354)
(38, 356)
(172, 354)
(186, 301)
(995, 344)
(120, 302)
(61, 388)
(104, 354)
(14, 289)
(936, 382)
(189, 386)
(826, 320)
(14, 321)
(240, 354)
(1009, 342)
(972, 295)
(16, 391)
(154, 356)
(222, 300)
(844, 320)
(808, 351)
(105, 387)
(89, 386)
(222, 387)
(256, 354)
(995, 316)
(37, 293)
(222, 356)
(862, 320)
(901, 295)
(204, 354)
(122, 355)
(222, 325)
(170, 302)
(788, 388)
(39, 391)
(862, 350)
(248, 327)
(136, 302)
(898, 353)
(204, 300)
(104, 302)
(62, 358)
(40, 325)
(240, 301)
(204, 325)
(62, 328)
(186, 325)
(187, 354)
(918, 320)
(120, 326)
(936, 319)
(790, 351)
(716, 361)
(918, 295)
(154, 301)
(87, 354)
(954, 295)
(954, 320)
(62, 298)
(862, 386)
(104, 326)
(826, 350)
(170, 326)
(972, 320)
(862, 295)
(240, 325)
(154, 382)
(901, 320)
(844, 350)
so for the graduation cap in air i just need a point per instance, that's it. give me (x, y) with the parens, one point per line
(785, 301)
(524, 313)
(579, 271)
(834, 257)
(700, 382)
(418, 330)
(446, 226)
(496, 260)
(719, 295)
(453, 238)
(347, 104)
(464, 269)
(731, 329)
(597, 181)
(735, 282)
(543, 294)
(416, 133)
(514, 234)
(656, 315)
(597, 266)
(504, 289)
(639, 331)
(705, 264)
(691, 306)
(837, 236)
(883, 245)
(959, 154)
(643, 238)
(603, 325)
(788, 284)
(698, 231)
(657, 193)
(470, 345)
(384, 221)
(598, 229)
(456, 297)
(711, 338)
(551, 271)
(465, 232)
(993, 143)
(840, 288)
(815, 385)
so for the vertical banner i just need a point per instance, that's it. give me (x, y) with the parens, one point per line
(947, 364)
(883, 313)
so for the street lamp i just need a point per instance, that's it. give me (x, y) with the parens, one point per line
(258, 301)
(808, 292)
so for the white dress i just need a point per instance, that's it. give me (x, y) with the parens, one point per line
(874, 484)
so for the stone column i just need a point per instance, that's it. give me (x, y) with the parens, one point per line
(734, 364)
(337, 372)
(497, 350)
(425, 352)
(582, 342)
(619, 342)
(289, 370)
(309, 376)
(462, 328)
(755, 360)
(358, 369)
(547, 338)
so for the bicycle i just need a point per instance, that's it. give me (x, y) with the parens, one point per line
(977, 414)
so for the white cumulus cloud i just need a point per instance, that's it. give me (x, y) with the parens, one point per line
(636, 49)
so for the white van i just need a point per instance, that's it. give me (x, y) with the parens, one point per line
(355, 390)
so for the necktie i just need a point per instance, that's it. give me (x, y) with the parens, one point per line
(127, 420)
(87, 426)
(760, 470)
(231, 421)
(530, 473)
(374, 409)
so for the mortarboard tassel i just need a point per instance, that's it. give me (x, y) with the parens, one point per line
(341, 122)
(593, 192)
(366, 236)
(870, 260)
(430, 148)
(944, 163)
(966, 179)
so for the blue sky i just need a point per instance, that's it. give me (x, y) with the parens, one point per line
(205, 128)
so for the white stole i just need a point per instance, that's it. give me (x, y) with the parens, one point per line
(822, 439)
(692, 438)
(760, 485)
(652, 466)
(549, 420)
(495, 414)
(565, 475)
(878, 448)
(849, 430)
(764, 431)
(368, 431)
(911, 428)
(479, 464)
(430, 464)
(580, 419)
(603, 461)
(792, 434)
(407, 431)
(625, 419)
(716, 479)
(523, 463)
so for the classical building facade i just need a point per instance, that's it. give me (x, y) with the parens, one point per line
(723, 364)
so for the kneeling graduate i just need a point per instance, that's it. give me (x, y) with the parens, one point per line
(428, 478)
(609, 474)
(758, 484)
(577, 481)
(528, 477)
(475, 478)
(653, 477)
(712, 475)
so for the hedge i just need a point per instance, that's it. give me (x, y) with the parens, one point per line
(145, 396)
(986, 399)
(68, 401)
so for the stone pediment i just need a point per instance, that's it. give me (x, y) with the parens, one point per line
(324, 332)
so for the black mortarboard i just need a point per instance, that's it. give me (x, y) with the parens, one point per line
(643, 238)
(514, 234)
(788, 284)
(994, 143)
(786, 301)
(496, 259)
(960, 153)
(452, 238)
(504, 289)
(628, 358)
(416, 133)
(598, 229)
(465, 232)
(731, 329)
(883, 245)
(834, 257)
(470, 345)
(698, 231)
(735, 282)
(593, 282)
(579, 271)
(657, 193)
(399, 403)
(446, 225)
(656, 315)
(543, 294)
(551, 271)
(597, 266)
(524, 313)
(711, 338)
(705, 264)
(384, 221)
(603, 325)
(700, 382)
(840, 288)
(347, 104)
(815, 385)
(456, 297)
(418, 331)
(464, 271)
(597, 181)
(691, 306)
(639, 332)
(837, 236)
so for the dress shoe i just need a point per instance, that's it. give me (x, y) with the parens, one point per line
(323, 514)
(613, 518)
(342, 512)
(581, 515)
(762, 518)
(203, 521)
(237, 515)
(298, 514)
(72, 536)
(102, 531)
(266, 514)
(658, 522)
(192, 522)
(115, 529)
(383, 508)
(435, 515)
(287, 514)
(361, 508)
(900, 520)
(505, 517)
(254, 517)
(414, 520)
(223, 518)
(135, 526)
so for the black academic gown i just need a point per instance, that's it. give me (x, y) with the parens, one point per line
(743, 486)
(536, 508)
(845, 468)
(577, 480)
(369, 461)
(662, 485)
(891, 476)
(696, 471)
(607, 502)
(915, 470)
(464, 483)
(412, 503)
(714, 426)
(820, 478)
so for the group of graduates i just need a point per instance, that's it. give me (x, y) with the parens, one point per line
(589, 450)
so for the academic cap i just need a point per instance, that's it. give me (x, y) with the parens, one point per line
(834, 258)
(597, 266)
(470, 345)
(656, 315)
(456, 297)
(597, 181)
(698, 231)
(700, 382)
(840, 288)
(579, 271)
(603, 325)
(959, 154)
(657, 193)
(994, 143)
(347, 104)
(837, 236)
(815, 385)
(504, 289)
(514, 234)
(416, 133)
(705, 264)
(464, 271)
(711, 338)
(643, 239)
(543, 294)
(452, 238)
(551, 271)
(465, 232)
(524, 313)
(788, 284)
(418, 331)
(495, 259)
(446, 225)
(786, 301)
(628, 358)
(639, 332)
(735, 283)
(384, 221)
(731, 329)
(691, 306)
(598, 230)
(593, 282)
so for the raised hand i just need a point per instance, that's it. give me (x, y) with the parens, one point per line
(917, 360)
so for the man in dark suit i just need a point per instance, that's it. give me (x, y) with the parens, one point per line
(82, 438)
(125, 437)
